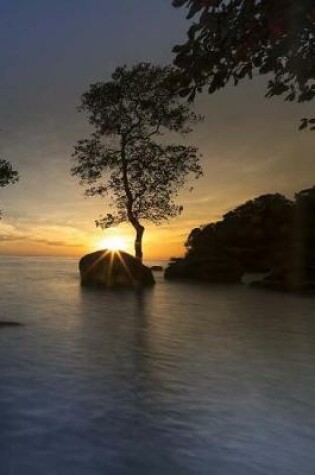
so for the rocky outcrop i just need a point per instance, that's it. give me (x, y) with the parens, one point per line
(112, 269)
(289, 279)
(215, 270)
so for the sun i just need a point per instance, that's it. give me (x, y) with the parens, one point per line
(113, 243)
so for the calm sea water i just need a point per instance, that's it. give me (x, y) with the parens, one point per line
(181, 379)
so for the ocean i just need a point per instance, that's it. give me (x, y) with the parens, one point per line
(179, 379)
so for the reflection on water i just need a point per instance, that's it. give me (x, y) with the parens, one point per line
(182, 378)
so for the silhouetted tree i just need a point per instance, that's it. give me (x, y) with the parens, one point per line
(305, 227)
(123, 157)
(256, 234)
(7, 173)
(233, 39)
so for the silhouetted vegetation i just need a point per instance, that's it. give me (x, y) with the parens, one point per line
(123, 157)
(253, 234)
(235, 39)
(267, 234)
(7, 174)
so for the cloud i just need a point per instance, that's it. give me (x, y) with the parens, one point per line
(70, 237)
(10, 238)
(55, 243)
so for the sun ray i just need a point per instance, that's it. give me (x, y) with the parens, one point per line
(110, 267)
(102, 256)
(122, 260)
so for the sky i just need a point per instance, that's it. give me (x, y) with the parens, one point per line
(51, 50)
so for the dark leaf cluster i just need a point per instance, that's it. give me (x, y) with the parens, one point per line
(230, 40)
(7, 173)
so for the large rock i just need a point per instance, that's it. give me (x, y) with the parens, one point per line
(289, 279)
(111, 269)
(215, 270)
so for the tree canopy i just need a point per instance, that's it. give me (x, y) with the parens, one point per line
(230, 40)
(127, 157)
(7, 173)
(263, 233)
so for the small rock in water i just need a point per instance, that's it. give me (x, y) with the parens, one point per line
(10, 324)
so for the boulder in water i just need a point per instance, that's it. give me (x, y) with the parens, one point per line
(112, 269)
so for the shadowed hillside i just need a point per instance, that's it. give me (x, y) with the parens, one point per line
(267, 234)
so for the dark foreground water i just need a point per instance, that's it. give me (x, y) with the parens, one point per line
(183, 379)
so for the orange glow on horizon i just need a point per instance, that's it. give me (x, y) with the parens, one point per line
(65, 241)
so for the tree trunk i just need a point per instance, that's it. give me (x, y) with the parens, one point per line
(138, 241)
(129, 204)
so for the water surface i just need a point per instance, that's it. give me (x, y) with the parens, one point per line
(181, 379)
